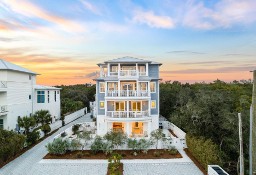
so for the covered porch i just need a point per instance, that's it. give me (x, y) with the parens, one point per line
(133, 129)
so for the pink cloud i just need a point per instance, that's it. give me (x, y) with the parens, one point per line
(153, 20)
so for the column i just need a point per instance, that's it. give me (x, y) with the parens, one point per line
(118, 69)
(128, 129)
(149, 127)
(108, 69)
(137, 72)
(147, 69)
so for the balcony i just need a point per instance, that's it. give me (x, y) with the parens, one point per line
(127, 114)
(3, 110)
(3, 85)
(125, 74)
(127, 93)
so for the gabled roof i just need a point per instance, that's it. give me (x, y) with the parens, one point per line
(5, 65)
(42, 87)
(127, 59)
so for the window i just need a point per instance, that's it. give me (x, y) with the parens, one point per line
(58, 92)
(136, 124)
(102, 87)
(55, 96)
(30, 76)
(40, 97)
(112, 86)
(143, 86)
(102, 105)
(1, 123)
(48, 96)
(29, 97)
(153, 87)
(153, 104)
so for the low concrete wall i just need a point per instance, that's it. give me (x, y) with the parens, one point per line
(69, 118)
(179, 142)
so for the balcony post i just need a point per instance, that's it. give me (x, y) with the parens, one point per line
(137, 72)
(108, 69)
(146, 69)
(128, 109)
(118, 70)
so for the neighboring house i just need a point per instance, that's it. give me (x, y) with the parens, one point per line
(20, 96)
(127, 96)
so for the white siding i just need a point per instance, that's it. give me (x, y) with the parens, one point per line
(52, 106)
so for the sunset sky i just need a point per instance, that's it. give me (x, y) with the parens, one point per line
(196, 41)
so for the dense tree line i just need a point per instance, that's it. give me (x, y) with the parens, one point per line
(75, 97)
(209, 110)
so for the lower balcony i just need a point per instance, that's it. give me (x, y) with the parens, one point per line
(127, 114)
(127, 93)
(3, 110)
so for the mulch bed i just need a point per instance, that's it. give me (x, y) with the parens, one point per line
(172, 133)
(120, 170)
(26, 149)
(195, 161)
(126, 154)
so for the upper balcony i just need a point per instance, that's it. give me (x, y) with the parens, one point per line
(3, 86)
(3, 110)
(124, 71)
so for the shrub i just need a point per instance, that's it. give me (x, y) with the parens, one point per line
(97, 145)
(204, 150)
(172, 151)
(143, 145)
(58, 146)
(79, 155)
(75, 144)
(132, 144)
(46, 129)
(75, 128)
(114, 164)
(32, 137)
(63, 134)
(15, 144)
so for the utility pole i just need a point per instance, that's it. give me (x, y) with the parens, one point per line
(241, 145)
(250, 143)
(253, 131)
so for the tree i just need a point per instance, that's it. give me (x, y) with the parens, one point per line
(46, 129)
(115, 138)
(27, 123)
(42, 117)
(156, 136)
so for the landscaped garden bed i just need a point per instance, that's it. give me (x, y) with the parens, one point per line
(126, 154)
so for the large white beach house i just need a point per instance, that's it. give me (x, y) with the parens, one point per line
(20, 96)
(127, 96)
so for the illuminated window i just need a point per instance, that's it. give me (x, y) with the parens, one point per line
(153, 104)
(102, 104)
(153, 87)
(102, 87)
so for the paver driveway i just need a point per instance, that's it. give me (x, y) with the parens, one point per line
(31, 163)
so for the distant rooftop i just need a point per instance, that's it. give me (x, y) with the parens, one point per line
(41, 87)
(129, 60)
(5, 65)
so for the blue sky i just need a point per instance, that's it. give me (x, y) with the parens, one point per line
(195, 40)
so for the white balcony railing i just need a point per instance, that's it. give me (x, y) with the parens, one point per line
(127, 93)
(3, 84)
(127, 114)
(3, 109)
(128, 73)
